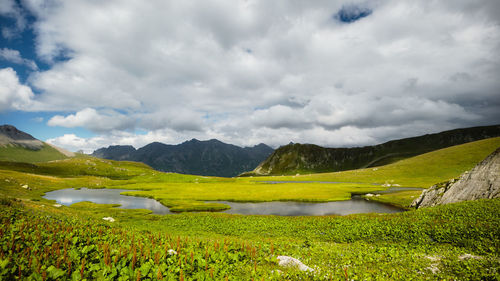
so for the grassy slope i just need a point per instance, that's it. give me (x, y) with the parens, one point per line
(19, 154)
(307, 158)
(419, 171)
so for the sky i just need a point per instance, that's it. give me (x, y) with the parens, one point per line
(86, 74)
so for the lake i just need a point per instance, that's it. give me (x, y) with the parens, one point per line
(112, 196)
(106, 196)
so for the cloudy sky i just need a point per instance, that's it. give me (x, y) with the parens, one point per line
(84, 74)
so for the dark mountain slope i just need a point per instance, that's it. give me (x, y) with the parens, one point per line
(309, 158)
(209, 158)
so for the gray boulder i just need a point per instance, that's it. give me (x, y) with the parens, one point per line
(482, 182)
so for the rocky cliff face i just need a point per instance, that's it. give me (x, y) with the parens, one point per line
(482, 182)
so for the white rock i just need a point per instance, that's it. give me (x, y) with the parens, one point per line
(171, 252)
(368, 195)
(57, 205)
(110, 219)
(25, 186)
(468, 257)
(286, 261)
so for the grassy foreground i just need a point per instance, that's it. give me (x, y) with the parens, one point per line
(42, 242)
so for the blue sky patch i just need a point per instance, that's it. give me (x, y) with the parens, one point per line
(352, 13)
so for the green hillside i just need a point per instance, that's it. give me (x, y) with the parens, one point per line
(308, 158)
(17, 153)
(419, 171)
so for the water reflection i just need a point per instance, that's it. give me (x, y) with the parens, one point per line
(356, 205)
(106, 196)
(112, 196)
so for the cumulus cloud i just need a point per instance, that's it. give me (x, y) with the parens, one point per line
(326, 72)
(94, 120)
(13, 94)
(15, 57)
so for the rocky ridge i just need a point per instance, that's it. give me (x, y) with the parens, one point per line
(482, 182)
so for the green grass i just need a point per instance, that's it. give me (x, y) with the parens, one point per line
(40, 240)
(16, 153)
(419, 171)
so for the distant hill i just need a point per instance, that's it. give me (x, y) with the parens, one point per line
(207, 158)
(18, 146)
(308, 158)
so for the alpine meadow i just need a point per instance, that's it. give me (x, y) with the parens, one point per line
(249, 140)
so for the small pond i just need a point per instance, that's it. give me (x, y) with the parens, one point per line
(106, 196)
(112, 196)
(356, 205)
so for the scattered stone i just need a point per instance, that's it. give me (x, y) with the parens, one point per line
(25, 186)
(110, 219)
(377, 195)
(433, 258)
(369, 195)
(57, 205)
(375, 169)
(171, 252)
(286, 261)
(434, 266)
(468, 257)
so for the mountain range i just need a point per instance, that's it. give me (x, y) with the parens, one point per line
(207, 158)
(309, 158)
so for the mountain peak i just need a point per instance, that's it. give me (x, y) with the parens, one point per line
(208, 158)
(14, 134)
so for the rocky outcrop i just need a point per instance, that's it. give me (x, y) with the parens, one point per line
(482, 182)
(286, 261)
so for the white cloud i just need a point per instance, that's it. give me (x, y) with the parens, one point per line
(94, 120)
(10, 9)
(13, 95)
(15, 57)
(261, 71)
